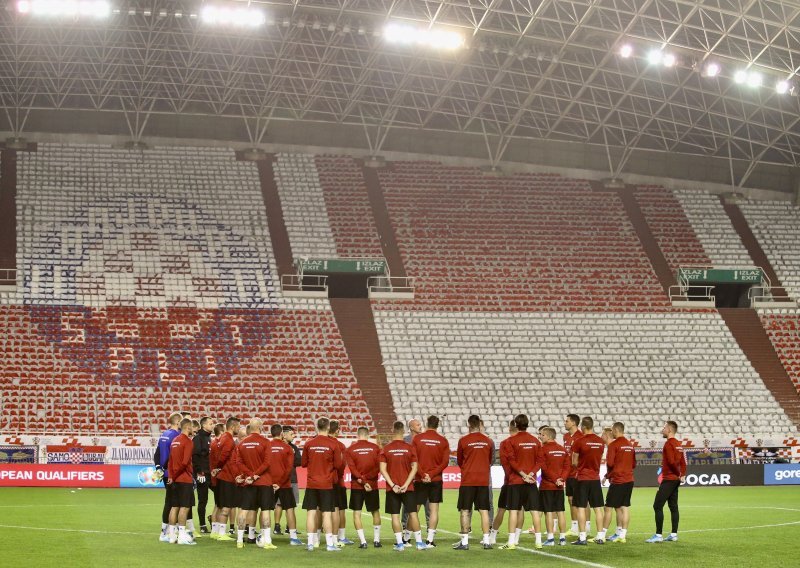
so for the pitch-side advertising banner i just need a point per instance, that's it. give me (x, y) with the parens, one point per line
(57, 475)
(782, 474)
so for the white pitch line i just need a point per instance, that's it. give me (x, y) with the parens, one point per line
(58, 529)
(539, 552)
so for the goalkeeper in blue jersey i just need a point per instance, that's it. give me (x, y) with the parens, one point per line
(161, 459)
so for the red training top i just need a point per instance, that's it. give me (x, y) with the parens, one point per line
(225, 446)
(620, 461)
(180, 459)
(213, 456)
(433, 453)
(555, 463)
(673, 462)
(322, 458)
(474, 457)
(340, 470)
(522, 454)
(590, 450)
(399, 456)
(253, 458)
(569, 441)
(281, 463)
(363, 459)
(504, 459)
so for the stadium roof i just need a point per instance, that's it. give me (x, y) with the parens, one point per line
(548, 69)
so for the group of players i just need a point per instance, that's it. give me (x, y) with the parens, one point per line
(249, 473)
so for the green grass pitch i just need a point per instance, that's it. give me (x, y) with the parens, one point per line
(730, 526)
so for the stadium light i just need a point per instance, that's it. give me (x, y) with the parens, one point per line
(740, 77)
(655, 57)
(782, 87)
(404, 34)
(228, 16)
(754, 79)
(65, 8)
(669, 60)
(626, 51)
(711, 70)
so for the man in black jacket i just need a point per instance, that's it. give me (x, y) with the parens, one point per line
(202, 469)
(288, 437)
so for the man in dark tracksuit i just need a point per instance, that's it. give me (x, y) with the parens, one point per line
(202, 469)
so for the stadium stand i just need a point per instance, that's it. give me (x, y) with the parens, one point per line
(146, 288)
(349, 211)
(670, 227)
(303, 204)
(784, 332)
(636, 368)
(776, 225)
(517, 243)
(713, 228)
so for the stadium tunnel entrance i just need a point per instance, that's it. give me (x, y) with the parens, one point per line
(726, 294)
(347, 285)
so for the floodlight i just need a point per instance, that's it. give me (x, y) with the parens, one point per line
(626, 50)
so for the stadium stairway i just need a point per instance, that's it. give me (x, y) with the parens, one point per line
(747, 329)
(391, 251)
(752, 245)
(356, 325)
(646, 237)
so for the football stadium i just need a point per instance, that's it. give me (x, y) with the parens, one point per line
(400, 282)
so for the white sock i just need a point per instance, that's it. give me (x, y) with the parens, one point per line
(517, 534)
(313, 538)
(190, 525)
(376, 533)
(221, 529)
(582, 536)
(538, 538)
(361, 537)
(329, 539)
(486, 539)
(172, 529)
(342, 534)
(398, 537)
(335, 539)
(181, 532)
(465, 538)
(431, 535)
(406, 535)
(293, 533)
(549, 536)
(417, 536)
(240, 535)
(658, 534)
(622, 533)
(511, 536)
(574, 527)
(251, 532)
(164, 527)
(562, 535)
(266, 535)
(601, 534)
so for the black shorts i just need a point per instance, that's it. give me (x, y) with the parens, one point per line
(285, 498)
(619, 495)
(571, 486)
(524, 497)
(181, 495)
(428, 492)
(255, 497)
(227, 496)
(470, 497)
(322, 499)
(588, 494)
(551, 500)
(360, 497)
(503, 499)
(340, 501)
(395, 502)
